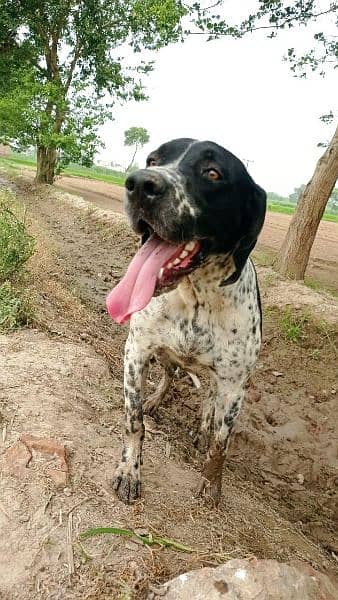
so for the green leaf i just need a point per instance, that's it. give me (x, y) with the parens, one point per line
(148, 540)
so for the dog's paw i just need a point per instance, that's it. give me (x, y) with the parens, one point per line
(126, 485)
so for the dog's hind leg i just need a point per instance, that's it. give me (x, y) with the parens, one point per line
(156, 398)
(127, 478)
(227, 407)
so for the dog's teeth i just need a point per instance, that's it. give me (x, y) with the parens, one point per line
(184, 254)
(190, 246)
(177, 261)
(161, 271)
(169, 265)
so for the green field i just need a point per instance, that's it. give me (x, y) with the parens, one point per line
(289, 209)
(15, 161)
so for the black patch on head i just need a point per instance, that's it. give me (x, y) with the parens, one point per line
(225, 214)
(169, 152)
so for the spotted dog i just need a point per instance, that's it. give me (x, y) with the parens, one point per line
(191, 293)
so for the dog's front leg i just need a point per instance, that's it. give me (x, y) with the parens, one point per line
(127, 478)
(227, 407)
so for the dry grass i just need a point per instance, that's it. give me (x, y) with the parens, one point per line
(59, 311)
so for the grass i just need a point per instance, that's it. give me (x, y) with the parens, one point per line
(289, 209)
(16, 247)
(96, 173)
(16, 161)
(14, 308)
(292, 324)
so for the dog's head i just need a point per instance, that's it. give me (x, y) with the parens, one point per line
(193, 200)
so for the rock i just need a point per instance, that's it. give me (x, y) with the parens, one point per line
(49, 446)
(59, 477)
(16, 459)
(249, 580)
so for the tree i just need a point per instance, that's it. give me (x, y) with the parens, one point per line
(294, 197)
(332, 203)
(135, 136)
(295, 251)
(61, 70)
(274, 16)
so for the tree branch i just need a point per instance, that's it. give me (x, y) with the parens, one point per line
(76, 55)
(277, 26)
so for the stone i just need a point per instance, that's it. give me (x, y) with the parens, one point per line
(16, 459)
(250, 579)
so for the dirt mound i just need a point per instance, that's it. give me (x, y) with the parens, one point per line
(65, 383)
(282, 293)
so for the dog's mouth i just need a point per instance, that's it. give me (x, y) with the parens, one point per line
(186, 257)
(157, 265)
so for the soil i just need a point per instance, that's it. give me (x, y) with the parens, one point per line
(62, 379)
(323, 264)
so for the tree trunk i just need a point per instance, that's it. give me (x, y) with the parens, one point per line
(294, 254)
(132, 160)
(46, 162)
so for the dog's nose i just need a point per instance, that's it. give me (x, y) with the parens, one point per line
(146, 183)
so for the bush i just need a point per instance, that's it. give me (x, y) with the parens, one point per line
(14, 310)
(16, 245)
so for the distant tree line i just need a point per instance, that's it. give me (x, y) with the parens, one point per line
(332, 204)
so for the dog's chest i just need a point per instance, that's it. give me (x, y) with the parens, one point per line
(190, 341)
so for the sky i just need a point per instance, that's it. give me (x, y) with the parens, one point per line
(240, 94)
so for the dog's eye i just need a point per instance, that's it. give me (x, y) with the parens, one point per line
(212, 174)
(151, 162)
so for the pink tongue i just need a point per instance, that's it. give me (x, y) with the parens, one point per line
(137, 287)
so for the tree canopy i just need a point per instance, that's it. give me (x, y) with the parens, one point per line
(273, 16)
(63, 63)
(62, 69)
(135, 136)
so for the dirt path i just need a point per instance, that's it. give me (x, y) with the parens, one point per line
(323, 264)
(64, 380)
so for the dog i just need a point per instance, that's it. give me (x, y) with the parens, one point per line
(191, 294)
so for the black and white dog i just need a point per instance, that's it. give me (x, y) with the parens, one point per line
(191, 292)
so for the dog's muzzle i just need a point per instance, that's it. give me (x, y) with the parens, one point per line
(145, 185)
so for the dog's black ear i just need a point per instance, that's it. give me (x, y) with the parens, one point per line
(254, 206)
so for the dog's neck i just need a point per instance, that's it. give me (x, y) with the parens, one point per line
(205, 285)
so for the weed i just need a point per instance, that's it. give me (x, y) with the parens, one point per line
(14, 308)
(270, 280)
(16, 245)
(312, 283)
(318, 286)
(329, 332)
(292, 324)
(147, 539)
